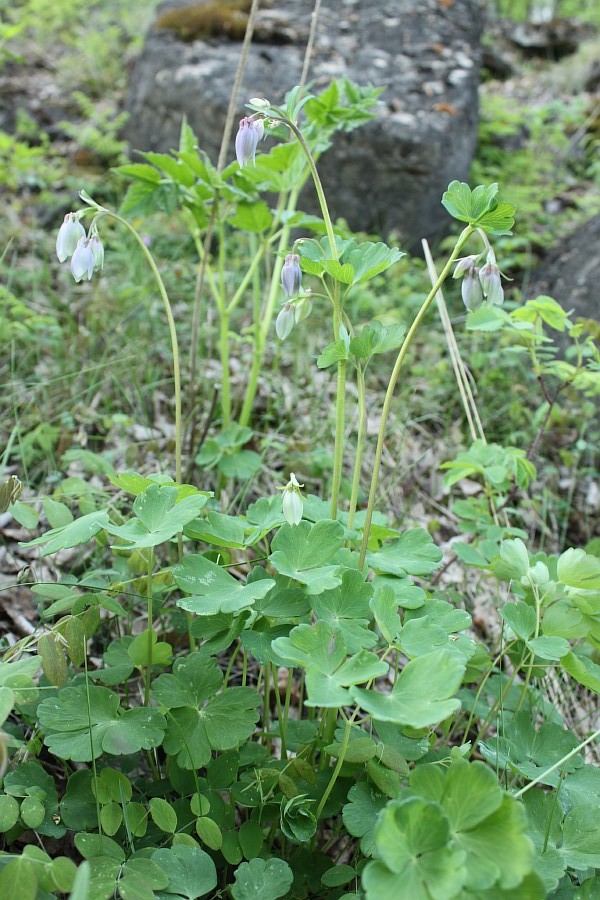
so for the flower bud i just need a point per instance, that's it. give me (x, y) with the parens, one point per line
(292, 501)
(489, 276)
(82, 263)
(247, 140)
(303, 308)
(69, 234)
(260, 101)
(285, 321)
(291, 275)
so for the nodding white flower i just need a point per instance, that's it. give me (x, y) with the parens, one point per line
(69, 234)
(97, 252)
(83, 262)
(249, 134)
(471, 291)
(489, 276)
(292, 501)
(291, 275)
(285, 321)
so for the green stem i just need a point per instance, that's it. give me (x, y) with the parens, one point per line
(224, 354)
(262, 327)
(172, 334)
(337, 769)
(280, 721)
(360, 443)
(149, 626)
(340, 424)
(464, 236)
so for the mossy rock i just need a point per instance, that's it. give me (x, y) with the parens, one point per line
(206, 20)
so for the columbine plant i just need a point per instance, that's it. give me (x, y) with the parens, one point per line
(329, 695)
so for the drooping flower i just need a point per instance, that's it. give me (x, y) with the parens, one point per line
(489, 276)
(285, 321)
(247, 138)
(83, 262)
(97, 252)
(291, 275)
(292, 501)
(471, 291)
(69, 234)
(463, 265)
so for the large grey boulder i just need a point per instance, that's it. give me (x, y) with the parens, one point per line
(571, 272)
(387, 176)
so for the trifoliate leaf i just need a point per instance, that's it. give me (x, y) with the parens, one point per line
(332, 354)
(214, 590)
(302, 552)
(422, 694)
(218, 529)
(468, 205)
(329, 673)
(114, 730)
(225, 722)
(254, 217)
(261, 879)
(414, 554)
(346, 609)
(370, 259)
(529, 752)
(412, 840)
(486, 824)
(195, 678)
(158, 516)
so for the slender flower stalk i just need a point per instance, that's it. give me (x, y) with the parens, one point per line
(463, 238)
(101, 212)
(340, 412)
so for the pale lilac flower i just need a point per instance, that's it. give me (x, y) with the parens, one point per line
(489, 276)
(292, 501)
(247, 140)
(471, 291)
(285, 321)
(83, 263)
(70, 233)
(291, 275)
